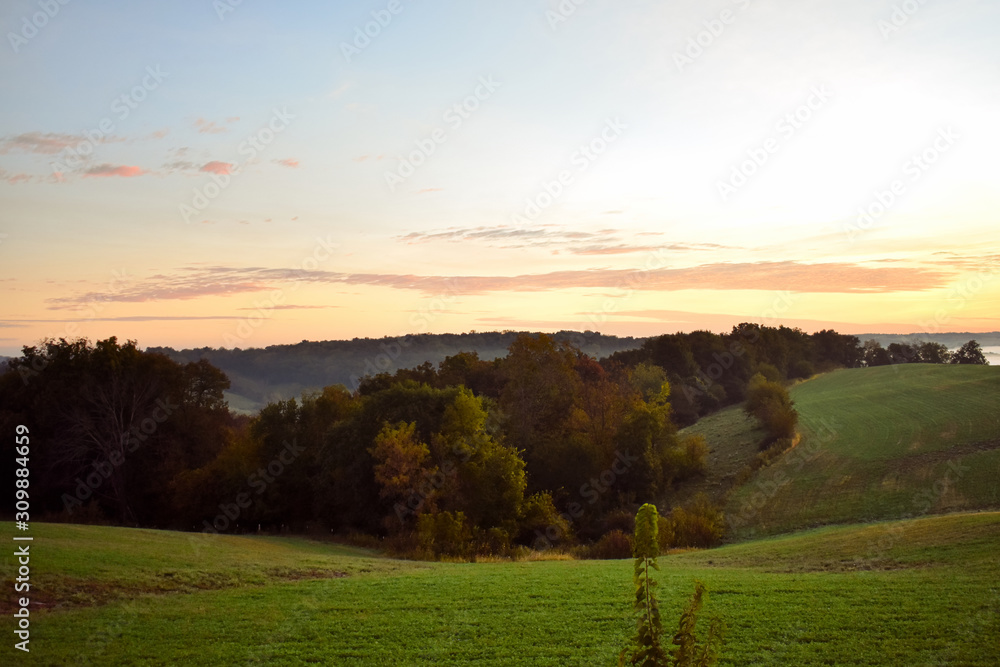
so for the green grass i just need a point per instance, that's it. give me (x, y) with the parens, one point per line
(921, 592)
(878, 443)
(115, 563)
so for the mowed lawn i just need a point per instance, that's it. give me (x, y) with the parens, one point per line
(927, 594)
(878, 443)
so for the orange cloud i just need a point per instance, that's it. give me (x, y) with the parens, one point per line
(108, 170)
(288, 162)
(216, 167)
(831, 278)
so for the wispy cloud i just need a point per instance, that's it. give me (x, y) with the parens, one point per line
(110, 170)
(288, 162)
(289, 306)
(211, 127)
(47, 143)
(843, 278)
(129, 318)
(17, 179)
(557, 239)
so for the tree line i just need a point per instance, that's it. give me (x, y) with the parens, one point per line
(546, 445)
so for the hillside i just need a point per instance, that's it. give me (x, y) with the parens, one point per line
(278, 372)
(878, 443)
(112, 597)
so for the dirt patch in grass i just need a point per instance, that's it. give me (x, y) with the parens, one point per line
(62, 592)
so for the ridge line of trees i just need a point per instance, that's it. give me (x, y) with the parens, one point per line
(466, 456)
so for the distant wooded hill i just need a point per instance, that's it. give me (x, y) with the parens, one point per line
(951, 340)
(280, 372)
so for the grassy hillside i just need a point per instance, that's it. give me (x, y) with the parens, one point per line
(929, 596)
(878, 443)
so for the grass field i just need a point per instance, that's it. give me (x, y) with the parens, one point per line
(879, 443)
(921, 592)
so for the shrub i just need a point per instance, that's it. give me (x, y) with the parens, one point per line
(541, 524)
(690, 652)
(491, 542)
(619, 520)
(612, 545)
(801, 369)
(769, 372)
(665, 530)
(701, 524)
(770, 404)
(444, 533)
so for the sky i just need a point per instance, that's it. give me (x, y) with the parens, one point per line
(246, 173)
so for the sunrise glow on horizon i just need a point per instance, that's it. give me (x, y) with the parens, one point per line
(247, 174)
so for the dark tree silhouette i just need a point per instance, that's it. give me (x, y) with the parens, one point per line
(970, 353)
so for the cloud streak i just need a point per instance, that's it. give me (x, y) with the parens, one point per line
(575, 242)
(836, 278)
(110, 170)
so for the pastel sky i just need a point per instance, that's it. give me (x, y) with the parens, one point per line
(241, 174)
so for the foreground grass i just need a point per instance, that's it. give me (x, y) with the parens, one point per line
(927, 596)
(89, 565)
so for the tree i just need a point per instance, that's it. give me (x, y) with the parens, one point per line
(934, 353)
(540, 391)
(115, 424)
(401, 467)
(489, 476)
(770, 404)
(970, 353)
(875, 355)
(903, 353)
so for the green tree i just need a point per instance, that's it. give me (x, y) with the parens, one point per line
(874, 354)
(934, 353)
(970, 353)
(540, 391)
(115, 424)
(770, 404)
(401, 466)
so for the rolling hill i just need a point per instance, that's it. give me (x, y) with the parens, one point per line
(877, 443)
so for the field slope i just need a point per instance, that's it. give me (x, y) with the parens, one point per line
(928, 591)
(878, 443)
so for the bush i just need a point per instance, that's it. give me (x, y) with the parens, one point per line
(444, 533)
(613, 545)
(492, 542)
(701, 524)
(769, 372)
(802, 369)
(618, 520)
(665, 533)
(770, 404)
(541, 524)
